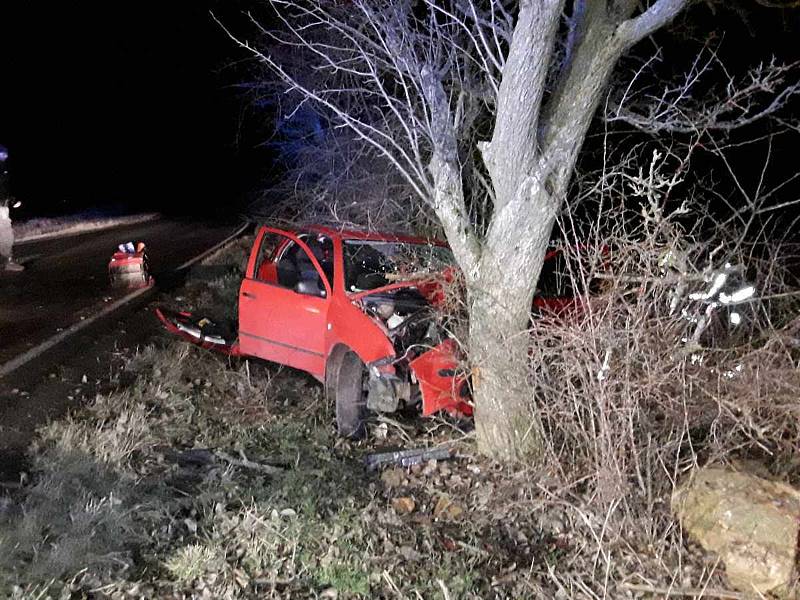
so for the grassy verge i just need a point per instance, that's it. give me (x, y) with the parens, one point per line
(208, 478)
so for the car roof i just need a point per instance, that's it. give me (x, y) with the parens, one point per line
(374, 236)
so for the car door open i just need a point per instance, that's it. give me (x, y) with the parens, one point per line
(283, 301)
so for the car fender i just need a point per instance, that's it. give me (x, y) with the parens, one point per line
(349, 326)
(442, 383)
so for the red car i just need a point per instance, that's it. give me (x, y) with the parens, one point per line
(356, 310)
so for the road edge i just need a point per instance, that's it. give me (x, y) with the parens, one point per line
(66, 233)
(51, 342)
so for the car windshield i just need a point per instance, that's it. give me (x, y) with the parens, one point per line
(372, 264)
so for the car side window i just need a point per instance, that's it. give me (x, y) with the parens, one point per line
(322, 248)
(265, 265)
(292, 268)
(295, 264)
(281, 261)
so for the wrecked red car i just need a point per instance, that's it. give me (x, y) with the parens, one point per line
(356, 310)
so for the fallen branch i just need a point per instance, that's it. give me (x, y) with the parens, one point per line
(246, 463)
(199, 457)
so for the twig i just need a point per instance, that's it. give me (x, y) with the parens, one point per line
(400, 429)
(445, 591)
(390, 582)
(473, 549)
(248, 464)
(676, 591)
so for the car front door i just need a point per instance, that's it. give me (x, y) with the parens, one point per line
(284, 300)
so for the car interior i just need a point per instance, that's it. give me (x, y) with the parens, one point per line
(294, 267)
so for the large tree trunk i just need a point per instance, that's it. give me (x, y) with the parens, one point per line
(506, 417)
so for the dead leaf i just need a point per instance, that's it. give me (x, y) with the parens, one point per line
(393, 477)
(446, 508)
(449, 544)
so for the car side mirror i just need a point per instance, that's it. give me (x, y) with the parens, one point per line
(310, 287)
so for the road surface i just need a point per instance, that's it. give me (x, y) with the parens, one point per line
(66, 278)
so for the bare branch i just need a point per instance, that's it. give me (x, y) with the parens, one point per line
(681, 108)
(654, 18)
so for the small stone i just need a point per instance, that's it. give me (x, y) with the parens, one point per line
(409, 553)
(430, 468)
(403, 505)
(381, 431)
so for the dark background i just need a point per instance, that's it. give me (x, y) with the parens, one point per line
(125, 106)
(139, 105)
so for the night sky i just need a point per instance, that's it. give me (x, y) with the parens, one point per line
(124, 105)
(134, 105)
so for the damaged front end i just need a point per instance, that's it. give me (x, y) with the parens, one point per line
(426, 370)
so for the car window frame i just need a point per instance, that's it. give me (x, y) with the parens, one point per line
(280, 249)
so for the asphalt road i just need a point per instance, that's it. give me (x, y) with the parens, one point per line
(66, 278)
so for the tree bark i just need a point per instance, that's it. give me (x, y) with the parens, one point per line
(506, 420)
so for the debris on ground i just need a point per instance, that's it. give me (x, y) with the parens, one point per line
(406, 458)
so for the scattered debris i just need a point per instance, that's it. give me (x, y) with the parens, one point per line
(406, 458)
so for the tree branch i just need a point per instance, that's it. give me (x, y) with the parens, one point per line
(655, 17)
(511, 155)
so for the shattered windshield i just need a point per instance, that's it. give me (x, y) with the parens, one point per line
(372, 264)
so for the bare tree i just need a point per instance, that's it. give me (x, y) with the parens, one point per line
(422, 83)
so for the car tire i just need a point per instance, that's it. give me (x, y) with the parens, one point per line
(351, 404)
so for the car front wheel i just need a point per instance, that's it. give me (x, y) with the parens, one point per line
(351, 403)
